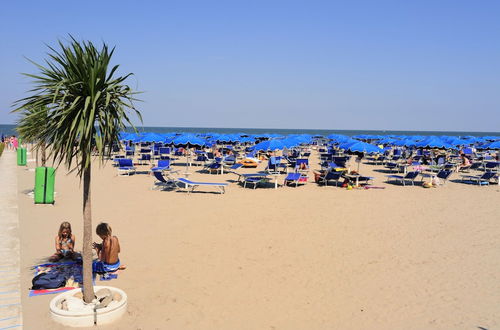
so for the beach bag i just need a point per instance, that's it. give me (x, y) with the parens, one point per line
(48, 281)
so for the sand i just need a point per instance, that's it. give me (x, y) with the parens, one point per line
(310, 257)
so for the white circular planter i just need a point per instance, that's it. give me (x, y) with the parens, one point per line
(86, 318)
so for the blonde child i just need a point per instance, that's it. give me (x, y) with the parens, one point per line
(64, 242)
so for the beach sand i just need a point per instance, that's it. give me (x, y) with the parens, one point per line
(310, 257)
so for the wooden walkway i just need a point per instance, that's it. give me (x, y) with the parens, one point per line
(10, 256)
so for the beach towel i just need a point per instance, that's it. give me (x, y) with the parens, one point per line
(53, 278)
(72, 272)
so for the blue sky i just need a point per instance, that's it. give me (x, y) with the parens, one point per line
(400, 65)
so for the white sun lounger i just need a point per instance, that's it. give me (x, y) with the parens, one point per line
(190, 186)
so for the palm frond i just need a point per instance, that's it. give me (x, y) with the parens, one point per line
(86, 105)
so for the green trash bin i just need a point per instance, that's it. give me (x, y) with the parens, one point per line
(21, 156)
(45, 178)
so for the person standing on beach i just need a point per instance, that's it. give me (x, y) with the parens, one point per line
(15, 143)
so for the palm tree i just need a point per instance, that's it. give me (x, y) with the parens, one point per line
(30, 126)
(87, 108)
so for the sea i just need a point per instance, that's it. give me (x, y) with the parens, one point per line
(11, 130)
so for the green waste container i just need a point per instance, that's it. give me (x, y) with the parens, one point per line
(44, 185)
(21, 156)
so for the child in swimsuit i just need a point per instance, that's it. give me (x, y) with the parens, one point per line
(65, 243)
(107, 251)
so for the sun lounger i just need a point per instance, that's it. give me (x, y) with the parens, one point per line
(161, 181)
(492, 166)
(190, 186)
(295, 178)
(125, 166)
(145, 159)
(443, 175)
(163, 165)
(302, 165)
(410, 176)
(255, 181)
(243, 176)
(482, 180)
(330, 176)
(233, 168)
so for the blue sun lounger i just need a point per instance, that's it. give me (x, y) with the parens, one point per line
(162, 182)
(163, 165)
(410, 176)
(481, 180)
(125, 165)
(295, 178)
(190, 186)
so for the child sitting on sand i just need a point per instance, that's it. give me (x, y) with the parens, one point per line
(65, 243)
(107, 251)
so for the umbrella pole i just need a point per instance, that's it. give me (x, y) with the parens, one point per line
(222, 162)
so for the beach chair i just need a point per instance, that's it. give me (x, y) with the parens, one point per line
(115, 160)
(163, 165)
(491, 166)
(234, 167)
(274, 165)
(473, 167)
(443, 175)
(163, 182)
(482, 180)
(365, 179)
(330, 176)
(302, 165)
(229, 160)
(145, 159)
(392, 166)
(295, 178)
(201, 159)
(190, 186)
(214, 166)
(255, 181)
(125, 166)
(410, 176)
(129, 153)
(243, 176)
(164, 153)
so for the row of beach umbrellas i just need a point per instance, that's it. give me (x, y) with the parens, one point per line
(275, 141)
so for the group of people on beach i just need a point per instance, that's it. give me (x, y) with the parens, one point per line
(107, 251)
(11, 142)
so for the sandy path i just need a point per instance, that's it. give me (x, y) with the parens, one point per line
(10, 256)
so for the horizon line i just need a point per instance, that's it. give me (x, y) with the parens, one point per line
(309, 129)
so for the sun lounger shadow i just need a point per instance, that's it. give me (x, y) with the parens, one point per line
(383, 170)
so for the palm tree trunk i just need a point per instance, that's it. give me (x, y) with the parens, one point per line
(88, 288)
(36, 154)
(44, 157)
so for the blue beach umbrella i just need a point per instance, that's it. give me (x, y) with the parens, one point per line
(453, 140)
(270, 145)
(150, 137)
(493, 145)
(247, 139)
(387, 140)
(434, 142)
(188, 140)
(125, 136)
(364, 147)
(405, 142)
(339, 138)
